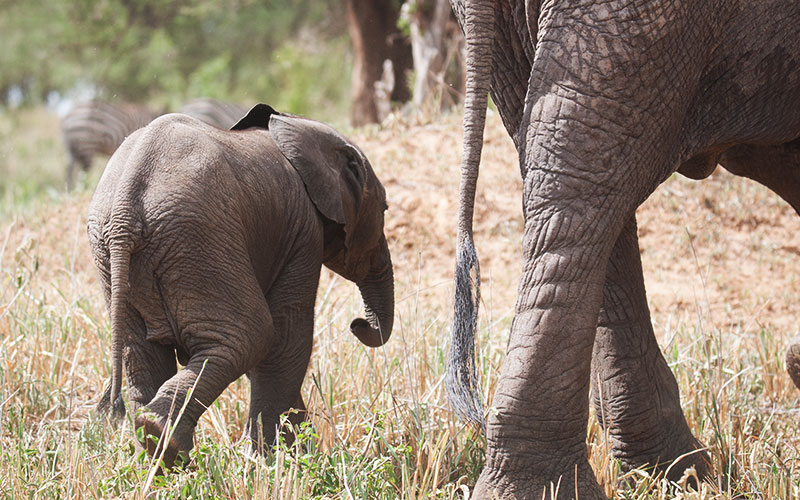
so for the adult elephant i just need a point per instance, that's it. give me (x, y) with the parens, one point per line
(604, 100)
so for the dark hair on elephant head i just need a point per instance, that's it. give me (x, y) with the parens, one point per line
(258, 116)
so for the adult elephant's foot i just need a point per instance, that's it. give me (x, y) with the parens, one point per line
(496, 483)
(638, 407)
(671, 457)
(156, 437)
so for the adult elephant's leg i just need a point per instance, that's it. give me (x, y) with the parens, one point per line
(776, 167)
(635, 394)
(536, 429)
(275, 383)
(594, 148)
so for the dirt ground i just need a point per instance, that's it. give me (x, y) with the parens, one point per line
(724, 249)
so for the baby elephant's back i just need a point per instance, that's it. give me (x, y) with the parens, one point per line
(179, 167)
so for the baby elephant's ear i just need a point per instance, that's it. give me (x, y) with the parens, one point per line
(323, 159)
(257, 117)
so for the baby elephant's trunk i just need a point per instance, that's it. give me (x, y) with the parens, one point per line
(377, 290)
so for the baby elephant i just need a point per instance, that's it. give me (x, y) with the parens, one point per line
(209, 245)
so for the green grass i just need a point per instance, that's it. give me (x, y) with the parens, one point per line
(379, 423)
(33, 160)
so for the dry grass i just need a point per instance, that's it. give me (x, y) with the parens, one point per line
(718, 259)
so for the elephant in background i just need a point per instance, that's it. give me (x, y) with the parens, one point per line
(604, 101)
(218, 113)
(97, 128)
(209, 245)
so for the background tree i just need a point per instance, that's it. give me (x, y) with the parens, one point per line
(437, 45)
(419, 35)
(376, 37)
(292, 53)
(295, 54)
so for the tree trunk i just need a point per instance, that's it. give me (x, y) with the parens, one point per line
(436, 45)
(375, 38)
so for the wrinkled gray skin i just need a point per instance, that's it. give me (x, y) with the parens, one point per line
(604, 100)
(209, 245)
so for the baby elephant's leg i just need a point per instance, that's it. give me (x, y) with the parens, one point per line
(225, 337)
(147, 366)
(276, 382)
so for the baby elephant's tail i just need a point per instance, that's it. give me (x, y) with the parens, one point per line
(120, 257)
(793, 363)
(120, 249)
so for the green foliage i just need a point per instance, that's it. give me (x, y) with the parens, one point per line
(32, 158)
(165, 51)
(292, 54)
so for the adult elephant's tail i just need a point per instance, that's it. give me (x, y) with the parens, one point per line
(463, 382)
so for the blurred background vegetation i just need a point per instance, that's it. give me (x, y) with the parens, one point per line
(325, 59)
(292, 53)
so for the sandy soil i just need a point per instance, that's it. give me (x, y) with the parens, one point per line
(724, 249)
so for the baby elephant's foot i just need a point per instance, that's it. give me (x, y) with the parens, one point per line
(264, 436)
(793, 364)
(150, 429)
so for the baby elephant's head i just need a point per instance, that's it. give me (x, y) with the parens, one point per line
(342, 185)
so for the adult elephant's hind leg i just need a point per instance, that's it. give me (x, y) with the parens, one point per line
(635, 394)
(537, 422)
(598, 135)
(536, 428)
(776, 167)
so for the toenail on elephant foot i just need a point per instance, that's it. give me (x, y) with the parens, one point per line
(793, 363)
(150, 433)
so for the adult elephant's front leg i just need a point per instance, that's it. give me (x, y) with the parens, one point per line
(590, 150)
(536, 428)
(635, 394)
